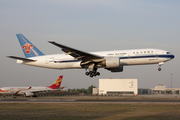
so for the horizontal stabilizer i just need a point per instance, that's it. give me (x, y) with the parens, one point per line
(24, 59)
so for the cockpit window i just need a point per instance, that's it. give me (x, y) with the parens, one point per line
(168, 53)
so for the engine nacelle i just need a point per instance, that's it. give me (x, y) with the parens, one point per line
(28, 94)
(112, 62)
(119, 69)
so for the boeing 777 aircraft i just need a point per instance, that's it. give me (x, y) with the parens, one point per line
(113, 61)
(32, 91)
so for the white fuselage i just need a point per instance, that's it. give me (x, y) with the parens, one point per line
(25, 90)
(126, 57)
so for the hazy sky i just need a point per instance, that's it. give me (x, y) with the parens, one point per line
(89, 25)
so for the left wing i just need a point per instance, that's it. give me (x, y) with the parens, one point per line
(22, 90)
(77, 54)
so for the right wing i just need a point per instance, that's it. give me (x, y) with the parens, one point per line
(24, 59)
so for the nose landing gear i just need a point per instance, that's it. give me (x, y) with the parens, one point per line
(160, 64)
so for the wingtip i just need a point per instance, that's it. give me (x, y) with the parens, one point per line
(51, 41)
(9, 56)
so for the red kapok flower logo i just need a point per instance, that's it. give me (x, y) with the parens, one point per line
(27, 47)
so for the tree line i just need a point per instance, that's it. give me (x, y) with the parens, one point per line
(89, 90)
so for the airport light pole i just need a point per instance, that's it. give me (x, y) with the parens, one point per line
(171, 83)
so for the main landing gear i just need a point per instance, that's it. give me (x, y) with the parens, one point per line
(93, 73)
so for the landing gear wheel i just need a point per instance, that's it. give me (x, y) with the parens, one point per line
(91, 75)
(92, 72)
(87, 73)
(159, 69)
(98, 73)
(94, 75)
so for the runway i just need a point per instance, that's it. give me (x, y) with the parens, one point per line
(84, 101)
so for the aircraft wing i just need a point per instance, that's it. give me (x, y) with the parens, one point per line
(24, 59)
(19, 91)
(33, 91)
(77, 54)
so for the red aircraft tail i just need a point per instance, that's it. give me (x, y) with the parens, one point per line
(57, 83)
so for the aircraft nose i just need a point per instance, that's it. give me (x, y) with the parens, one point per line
(172, 56)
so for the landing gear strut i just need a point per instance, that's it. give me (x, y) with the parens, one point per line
(161, 63)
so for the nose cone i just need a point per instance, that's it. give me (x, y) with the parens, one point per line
(172, 56)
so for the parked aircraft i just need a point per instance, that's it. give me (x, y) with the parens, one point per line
(113, 61)
(32, 91)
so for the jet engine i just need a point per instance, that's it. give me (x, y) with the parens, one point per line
(113, 64)
(28, 94)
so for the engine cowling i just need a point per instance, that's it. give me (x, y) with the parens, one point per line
(28, 94)
(113, 64)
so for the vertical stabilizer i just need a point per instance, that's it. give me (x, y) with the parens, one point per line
(28, 48)
(57, 83)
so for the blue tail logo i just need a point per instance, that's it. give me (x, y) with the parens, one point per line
(28, 48)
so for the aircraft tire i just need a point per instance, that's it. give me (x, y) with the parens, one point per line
(91, 75)
(87, 73)
(98, 73)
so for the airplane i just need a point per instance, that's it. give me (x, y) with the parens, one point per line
(32, 91)
(113, 61)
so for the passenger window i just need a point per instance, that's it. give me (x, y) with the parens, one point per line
(144, 51)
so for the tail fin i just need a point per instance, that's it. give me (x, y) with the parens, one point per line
(28, 48)
(57, 83)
